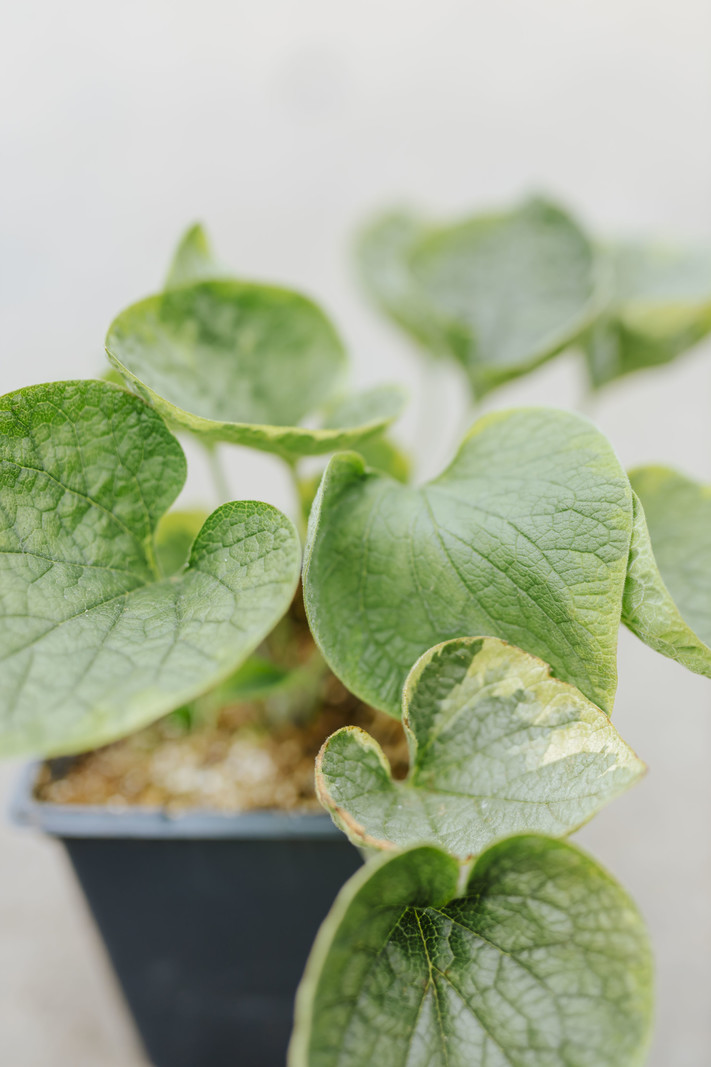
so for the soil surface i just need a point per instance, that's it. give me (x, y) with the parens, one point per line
(231, 763)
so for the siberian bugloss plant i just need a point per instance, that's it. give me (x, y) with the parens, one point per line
(500, 294)
(482, 609)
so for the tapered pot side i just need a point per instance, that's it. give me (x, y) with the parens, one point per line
(208, 918)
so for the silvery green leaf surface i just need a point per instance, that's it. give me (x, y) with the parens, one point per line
(660, 307)
(497, 747)
(95, 643)
(194, 260)
(360, 408)
(524, 537)
(543, 961)
(383, 255)
(667, 600)
(244, 363)
(500, 293)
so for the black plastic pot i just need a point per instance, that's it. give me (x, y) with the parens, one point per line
(208, 918)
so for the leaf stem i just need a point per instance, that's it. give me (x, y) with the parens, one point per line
(438, 379)
(152, 557)
(426, 404)
(217, 472)
(298, 487)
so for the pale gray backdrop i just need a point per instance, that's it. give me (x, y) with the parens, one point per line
(281, 125)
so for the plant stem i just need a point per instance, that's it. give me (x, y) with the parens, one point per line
(297, 486)
(432, 446)
(217, 473)
(426, 403)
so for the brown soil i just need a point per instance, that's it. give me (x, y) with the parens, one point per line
(232, 763)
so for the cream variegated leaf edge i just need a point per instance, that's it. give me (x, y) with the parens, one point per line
(497, 747)
(245, 364)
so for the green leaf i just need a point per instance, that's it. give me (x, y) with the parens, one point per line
(94, 643)
(256, 678)
(383, 252)
(174, 538)
(660, 307)
(544, 961)
(499, 293)
(376, 404)
(524, 537)
(667, 600)
(193, 260)
(497, 747)
(239, 362)
(379, 453)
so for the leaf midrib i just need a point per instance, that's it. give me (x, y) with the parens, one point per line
(538, 605)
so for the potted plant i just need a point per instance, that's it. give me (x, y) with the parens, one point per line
(483, 607)
(500, 294)
(153, 613)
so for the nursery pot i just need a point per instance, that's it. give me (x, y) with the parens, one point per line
(208, 918)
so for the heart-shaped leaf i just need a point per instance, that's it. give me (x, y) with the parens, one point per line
(667, 600)
(543, 962)
(660, 306)
(95, 644)
(500, 293)
(194, 261)
(244, 363)
(497, 747)
(524, 537)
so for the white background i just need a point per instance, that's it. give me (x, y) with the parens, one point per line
(282, 125)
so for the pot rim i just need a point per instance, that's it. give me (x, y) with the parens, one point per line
(100, 821)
